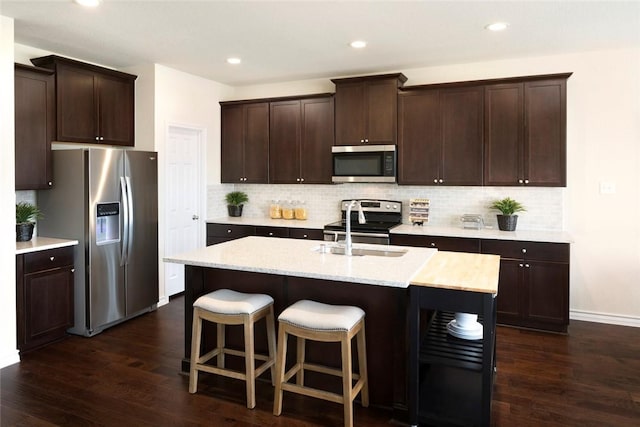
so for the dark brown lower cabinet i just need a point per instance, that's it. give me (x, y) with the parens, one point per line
(218, 233)
(533, 291)
(44, 289)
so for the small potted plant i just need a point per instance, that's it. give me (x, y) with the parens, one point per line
(235, 201)
(508, 207)
(26, 215)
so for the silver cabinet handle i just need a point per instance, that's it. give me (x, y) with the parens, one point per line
(521, 265)
(435, 180)
(229, 230)
(433, 245)
(304, 236)
(526, 265)
(524, 250)
(50, 183)
(520, 181)
(271, 233)
(52, 258)
(73, 270)
(526, 181)
(301, 179)
(440, 181)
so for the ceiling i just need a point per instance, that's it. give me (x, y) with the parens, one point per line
(296, 40)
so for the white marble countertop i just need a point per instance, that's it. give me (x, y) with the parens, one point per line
(293, 257)
(484, 233)
(39, 243)
(427, 230)
(268, 222)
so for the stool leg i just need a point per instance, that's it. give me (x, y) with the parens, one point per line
(362, 366)
(220, 343)
(300, 355)
(250, 366)
(347, 380)
(271, 342)
(280, 367)
(196, 331)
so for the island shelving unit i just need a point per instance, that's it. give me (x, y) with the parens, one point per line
(451, 379)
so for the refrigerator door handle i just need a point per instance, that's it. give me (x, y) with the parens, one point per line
(130, 216)
(125, 222)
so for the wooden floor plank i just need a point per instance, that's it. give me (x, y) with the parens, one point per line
(129, 375)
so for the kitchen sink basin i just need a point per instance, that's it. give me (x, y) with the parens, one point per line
(340, 250)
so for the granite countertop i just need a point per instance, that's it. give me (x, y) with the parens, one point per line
(293, 257)
(484, 233)
(39, 243)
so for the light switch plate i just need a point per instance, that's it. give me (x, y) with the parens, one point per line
(607, 187)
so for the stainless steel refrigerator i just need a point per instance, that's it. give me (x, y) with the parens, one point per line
(107, 199)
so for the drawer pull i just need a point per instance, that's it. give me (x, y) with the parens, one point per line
(73, 270)
(270, 233)
(524, 251)
(229, 231)
(51, 258)
(304, 236)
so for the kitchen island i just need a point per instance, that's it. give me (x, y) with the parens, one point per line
(290, 270)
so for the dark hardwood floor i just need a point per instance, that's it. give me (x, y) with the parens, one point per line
(129, 376)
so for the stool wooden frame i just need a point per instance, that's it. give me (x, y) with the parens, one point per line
(349, 391)
(198, 363)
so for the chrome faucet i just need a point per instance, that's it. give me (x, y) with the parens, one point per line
(361, 219)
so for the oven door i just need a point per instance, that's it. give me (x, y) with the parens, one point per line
(357, 237)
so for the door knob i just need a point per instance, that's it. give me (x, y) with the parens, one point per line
(195, 217)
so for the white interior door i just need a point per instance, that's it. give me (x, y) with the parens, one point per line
(183, 202)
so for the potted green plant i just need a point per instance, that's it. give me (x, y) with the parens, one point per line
(507, 221)
(26, 215)
(235, 201)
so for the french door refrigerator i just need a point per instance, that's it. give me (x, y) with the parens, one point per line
(107, 199)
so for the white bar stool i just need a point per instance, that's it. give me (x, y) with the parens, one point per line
(227, 307)
(328, 323)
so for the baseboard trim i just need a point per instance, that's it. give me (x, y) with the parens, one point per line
(590, 316)
(163, 301)
(10, 358)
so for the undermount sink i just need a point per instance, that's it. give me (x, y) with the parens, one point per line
(340, 250)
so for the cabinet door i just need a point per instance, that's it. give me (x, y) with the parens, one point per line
(503, 133)
(266, 231)
(382, 112)
(419, 138)
(256, 143)
(462, 122)
(76, 105)
(34, 127)
(316, 141)
(284, 142)
(545, 133)
(306, 233)
(232, 151)
(546, 300)
(218, 233)
(116, 111)
(350, 112)
(510, 292)
(48, 306)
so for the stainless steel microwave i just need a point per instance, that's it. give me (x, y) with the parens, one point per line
(364, 163)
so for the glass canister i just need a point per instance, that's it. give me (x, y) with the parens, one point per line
(287, 210)
(301, 210)
(275, 209)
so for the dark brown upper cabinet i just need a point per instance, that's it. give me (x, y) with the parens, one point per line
(94, 104)
(300, 140)
(366, 109)
(34, 126)
(525, 132)
(245, 142)
(440, 136)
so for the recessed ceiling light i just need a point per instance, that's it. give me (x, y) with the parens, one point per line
(234, 60)
(497, 26)
(88, 3)
(358, 44)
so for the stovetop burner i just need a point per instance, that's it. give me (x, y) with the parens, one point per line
(381, 216)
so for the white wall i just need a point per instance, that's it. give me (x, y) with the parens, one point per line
(603, 134)
(185, 99)
(8, 350)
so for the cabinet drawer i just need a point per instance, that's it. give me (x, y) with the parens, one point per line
(538, 251)
(272, 231)
(230, 231)
(306, 233)
(451, 244)
(48, 259)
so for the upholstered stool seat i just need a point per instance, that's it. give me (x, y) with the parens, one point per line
(328, 323)
(227, 307)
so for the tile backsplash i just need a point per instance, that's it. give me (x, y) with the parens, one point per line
(545, 207)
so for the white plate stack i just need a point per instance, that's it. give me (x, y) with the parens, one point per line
(465, 326)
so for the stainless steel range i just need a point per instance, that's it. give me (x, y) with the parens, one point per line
(380, 217)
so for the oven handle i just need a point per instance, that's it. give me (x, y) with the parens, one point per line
(342, 233)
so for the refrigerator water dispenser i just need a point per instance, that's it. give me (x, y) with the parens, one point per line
(107, 223)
